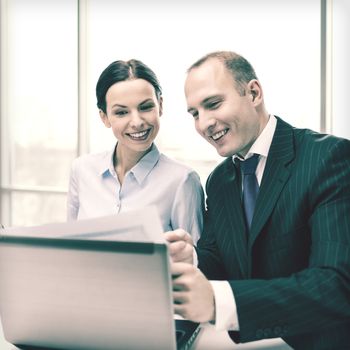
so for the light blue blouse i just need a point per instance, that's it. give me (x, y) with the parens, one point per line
(174, 188)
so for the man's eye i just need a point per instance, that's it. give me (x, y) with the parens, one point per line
(194, 114)
(214, 104)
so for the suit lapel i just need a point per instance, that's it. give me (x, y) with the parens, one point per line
(234, 213)
(275, 176)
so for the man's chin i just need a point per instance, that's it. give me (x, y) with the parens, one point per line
(224, 152)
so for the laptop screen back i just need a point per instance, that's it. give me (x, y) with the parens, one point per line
(79, 294)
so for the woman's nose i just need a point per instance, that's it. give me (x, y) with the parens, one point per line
(136, 119)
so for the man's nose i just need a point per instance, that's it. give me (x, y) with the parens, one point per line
(206, 122)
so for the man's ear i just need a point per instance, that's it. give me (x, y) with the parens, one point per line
(160, 106)
(253, 93)
(254, 89)
(104, 119)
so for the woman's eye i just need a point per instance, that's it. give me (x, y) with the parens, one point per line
(147, 107)
(120, 113)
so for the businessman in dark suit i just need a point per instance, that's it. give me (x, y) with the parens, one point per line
(278, 266)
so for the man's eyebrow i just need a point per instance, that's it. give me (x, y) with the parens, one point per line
(205, 101)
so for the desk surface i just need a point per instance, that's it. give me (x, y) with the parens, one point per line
(208, 339)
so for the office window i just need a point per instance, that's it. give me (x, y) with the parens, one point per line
(341, 59)
(280, 39)
(41, 104)
(38, 108)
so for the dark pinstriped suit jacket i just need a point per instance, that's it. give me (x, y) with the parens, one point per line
(291, 275)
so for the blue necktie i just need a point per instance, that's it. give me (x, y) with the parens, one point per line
(250, 187)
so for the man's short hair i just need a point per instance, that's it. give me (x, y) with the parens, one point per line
(242, 71)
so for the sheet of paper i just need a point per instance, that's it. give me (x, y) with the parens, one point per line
(142, 225)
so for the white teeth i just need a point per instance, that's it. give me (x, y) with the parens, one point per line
(219, 134)
(139, 134)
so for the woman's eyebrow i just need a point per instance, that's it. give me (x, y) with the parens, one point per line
(118, 105)
(147, 100)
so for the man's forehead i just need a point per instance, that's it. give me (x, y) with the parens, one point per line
(210, 78)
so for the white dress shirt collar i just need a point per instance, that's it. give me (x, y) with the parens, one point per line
(140, 170)
(262, 144)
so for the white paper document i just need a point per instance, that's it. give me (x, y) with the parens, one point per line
(142, 225)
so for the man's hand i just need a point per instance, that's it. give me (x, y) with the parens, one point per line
(192, 293)
(180, 246)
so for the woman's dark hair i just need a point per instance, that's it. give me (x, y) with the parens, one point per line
(120, 71)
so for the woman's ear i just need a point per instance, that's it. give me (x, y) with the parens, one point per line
(160, 106)
(104, 119)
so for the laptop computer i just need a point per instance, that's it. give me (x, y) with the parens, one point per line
(63, 291)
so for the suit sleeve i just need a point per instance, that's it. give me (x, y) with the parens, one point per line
(210, 261)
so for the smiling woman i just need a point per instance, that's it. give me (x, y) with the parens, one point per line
(132, 112)
(134, 173)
